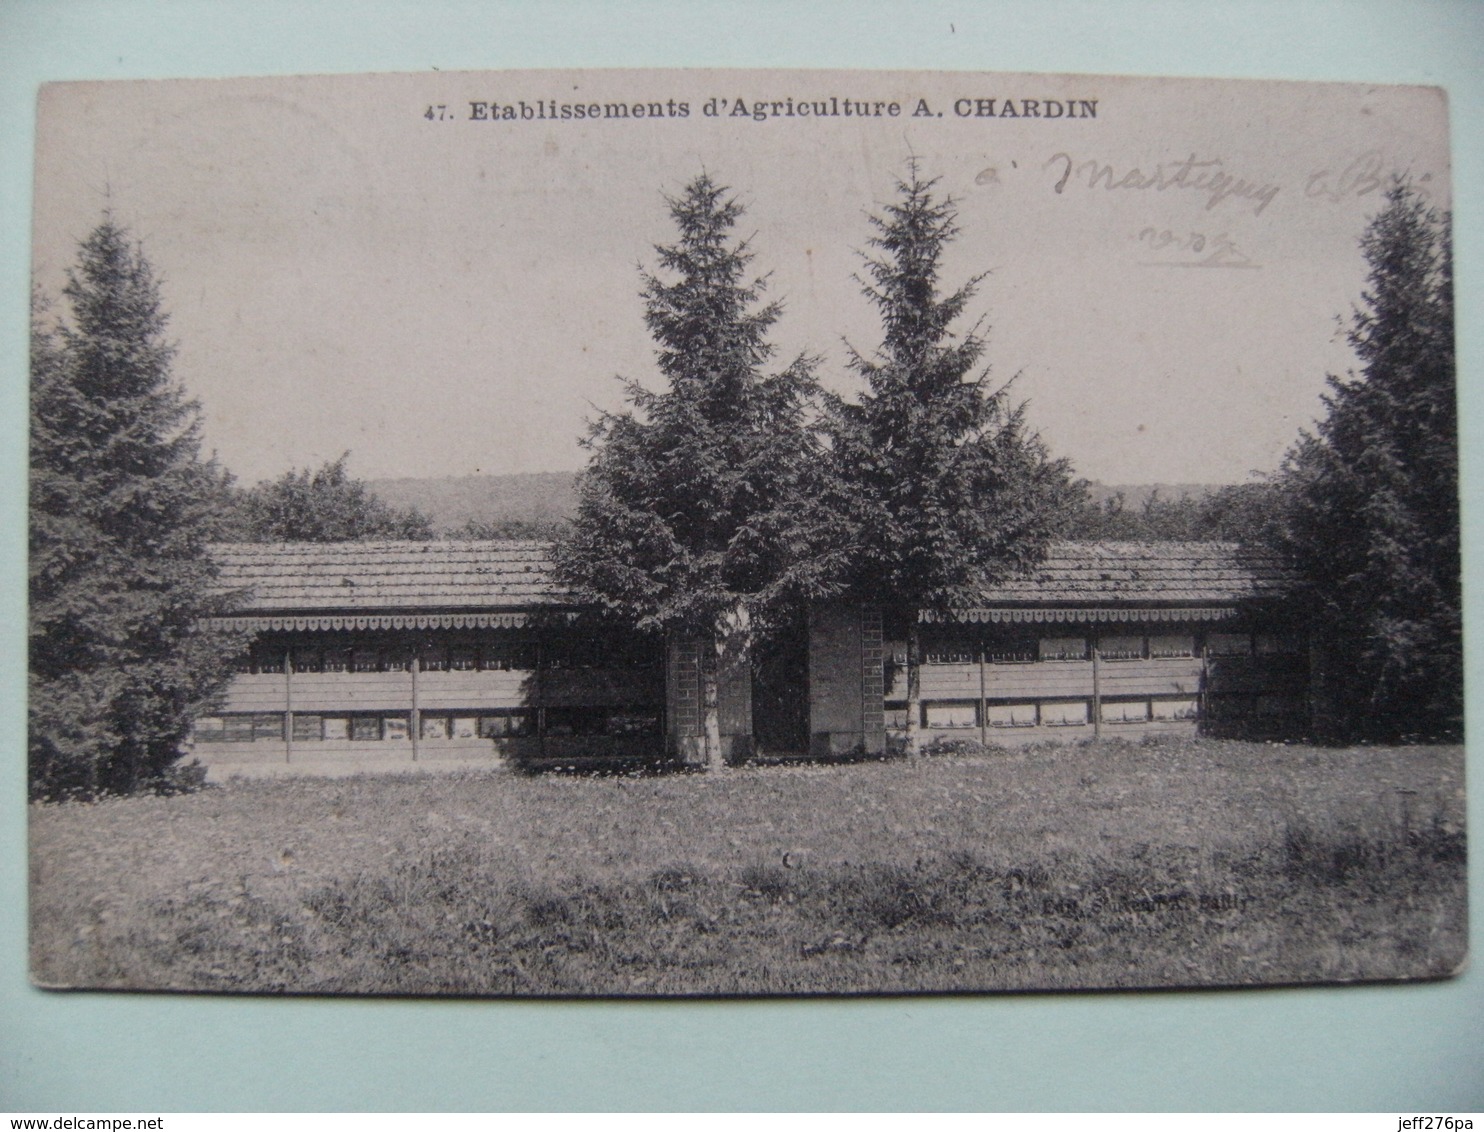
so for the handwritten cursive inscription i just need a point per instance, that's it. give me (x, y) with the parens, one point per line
(1365, 174)
(1193, 174)
(1200, 249)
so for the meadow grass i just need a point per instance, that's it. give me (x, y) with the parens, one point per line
(1096, 866)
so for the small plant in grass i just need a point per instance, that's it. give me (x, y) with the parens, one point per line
(954, 745)
(766, 882)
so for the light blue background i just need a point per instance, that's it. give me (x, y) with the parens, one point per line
(1418, 1048)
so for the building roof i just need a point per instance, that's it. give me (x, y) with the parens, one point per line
(376, 577)
(1161, 573)
(387, 584)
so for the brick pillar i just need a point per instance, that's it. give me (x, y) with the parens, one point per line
(873, 691)
(683, 739)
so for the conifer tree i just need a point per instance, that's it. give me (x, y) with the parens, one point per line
(943, 488)
(691, 513)
(122, 507)
(1374, 512)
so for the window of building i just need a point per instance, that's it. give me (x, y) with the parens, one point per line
(1183, 707)
(365, 728)
(1122, 646)
(241, 728)
(894, 716)
(509, 655)
(308, 727)
(1228, 644)
(268, 659)
(576, 721)
(1064, 713)
(573, 652)
(634, 721)
(335, 726)
(386, 658)
(951, 715)
(1167, 645)
(952, 652)
(436, 726)
(237, 729)
(500, 725)
(1010, 715)
(1125, 711)
(1011, 649)
(308, 658)
(465, 726)
(1278, 644)
(1062, 648)
(395, 727)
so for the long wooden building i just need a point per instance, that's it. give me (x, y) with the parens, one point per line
(380, 656)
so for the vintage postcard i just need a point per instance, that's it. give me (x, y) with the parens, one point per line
(625, 533)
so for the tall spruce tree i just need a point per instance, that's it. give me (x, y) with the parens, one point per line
(1374, 510)
(943, 488)
(691, 512)
(122, 507)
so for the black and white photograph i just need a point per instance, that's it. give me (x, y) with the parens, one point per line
(624, 533)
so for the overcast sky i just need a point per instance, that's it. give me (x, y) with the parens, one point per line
(448, 296)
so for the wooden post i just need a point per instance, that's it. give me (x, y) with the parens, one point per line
(914, 687)
(416, 729)
(1203, 704)
(1097, 690)
(538, 709)
(288, 703)
(983, 704)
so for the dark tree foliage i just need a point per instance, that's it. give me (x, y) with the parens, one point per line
(479, 530)
(942, 486)
(1251, 513)
(122, 509)
(692, 513)
(326, 505)
(1374, 520)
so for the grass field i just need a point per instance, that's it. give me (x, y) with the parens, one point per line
(1105, 865)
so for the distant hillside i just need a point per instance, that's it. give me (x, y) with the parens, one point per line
(547, 497)
(534, 497)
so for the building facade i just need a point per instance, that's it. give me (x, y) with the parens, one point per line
(363, 657)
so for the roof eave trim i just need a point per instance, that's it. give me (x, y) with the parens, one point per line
(1036, 615)
(329, 622)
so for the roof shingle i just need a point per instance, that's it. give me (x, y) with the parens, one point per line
(368, 577)
(1147, 572)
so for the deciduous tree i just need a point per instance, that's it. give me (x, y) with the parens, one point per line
(325, 505)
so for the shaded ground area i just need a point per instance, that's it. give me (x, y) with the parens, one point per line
(1104, 865)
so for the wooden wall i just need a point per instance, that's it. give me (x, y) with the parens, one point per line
(845, 681)
(554, 714)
